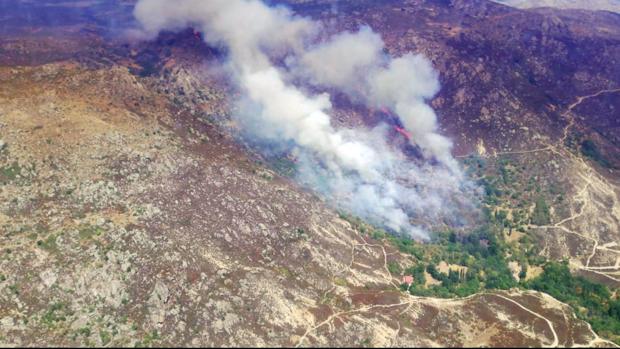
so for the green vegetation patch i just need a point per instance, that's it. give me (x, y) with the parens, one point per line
(394, 268)
(481, 258)
(82, 332)
(592, 301)
(56, 313)
(105, 337)
(284, 167)
(480, 255)
(49, 244)
(149, 340)
(88, 231)
(9, 173)
(541, 215)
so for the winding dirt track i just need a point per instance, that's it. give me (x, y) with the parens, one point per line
(582, 196)
(567, 115)
(556, 341)
(418, 300)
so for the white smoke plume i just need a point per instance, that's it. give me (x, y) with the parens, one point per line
(356, 168)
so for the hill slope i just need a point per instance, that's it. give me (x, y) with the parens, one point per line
(130, 214)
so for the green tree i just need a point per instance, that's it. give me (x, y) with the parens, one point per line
(541, 215)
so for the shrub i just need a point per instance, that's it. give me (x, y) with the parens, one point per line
(541, 215)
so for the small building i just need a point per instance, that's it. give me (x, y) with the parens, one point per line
(407, 279)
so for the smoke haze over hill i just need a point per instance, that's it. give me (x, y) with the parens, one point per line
(356, 168)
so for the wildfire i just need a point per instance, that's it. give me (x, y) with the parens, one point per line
(403, 132)
(398, 128)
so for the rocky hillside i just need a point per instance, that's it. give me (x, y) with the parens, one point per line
(131, 215)
(126, 223)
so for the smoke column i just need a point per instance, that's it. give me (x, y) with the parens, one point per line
(355, 168)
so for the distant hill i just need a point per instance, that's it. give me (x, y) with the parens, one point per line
(593, 5)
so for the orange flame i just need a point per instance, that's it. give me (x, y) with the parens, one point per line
(403, 132)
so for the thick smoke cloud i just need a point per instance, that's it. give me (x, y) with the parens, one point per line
(356, 168)
(342, 61)
(355, 63)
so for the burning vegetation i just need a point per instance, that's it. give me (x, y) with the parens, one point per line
(356, 168)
